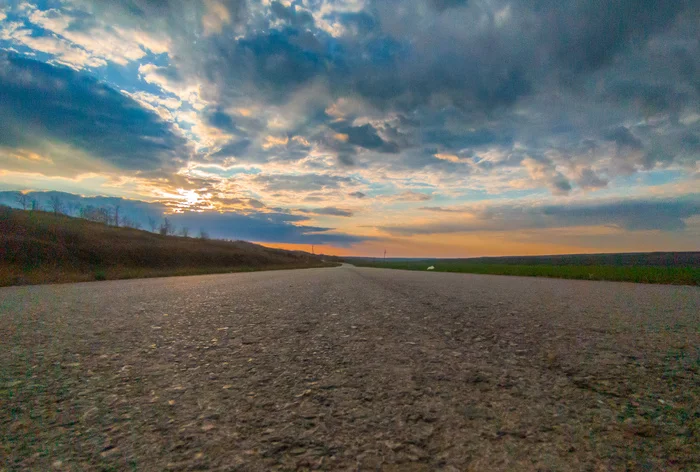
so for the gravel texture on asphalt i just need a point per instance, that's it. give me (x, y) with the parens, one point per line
(349, 369)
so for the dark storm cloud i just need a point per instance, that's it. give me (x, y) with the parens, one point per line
(41, 102)
(681, 146)
(587, 35)
(630, 215)
(272, 65)
(346, 159)
(442, 5)
(221, 120)
(623, 138)
(359, 23)
(650, 98)
(560, 184)
(365, 136)
(291, 14)
(466, 139)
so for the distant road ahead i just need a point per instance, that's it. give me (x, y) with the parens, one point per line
(349, 369)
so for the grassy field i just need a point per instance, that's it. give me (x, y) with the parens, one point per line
(39, 247)
(655, 274)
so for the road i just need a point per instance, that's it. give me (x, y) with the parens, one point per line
(349, 369)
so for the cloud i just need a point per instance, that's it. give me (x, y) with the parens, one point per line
(216, 16)
(74, 38)
(233, 149)
(442, 209)
(101, 41)
(584, 39)
(364, 136)
(623, 138)
(64, 52)
(442, 5)
(542, 170)
(409, 196)
(301, 183)
(630, 215)
(170, 81)
(272, 65)
(76, 109)
(177, 19)
(590, 180)
(326, 211)
(357, 195)
(426, 77)
(293, 14)
(221, 120)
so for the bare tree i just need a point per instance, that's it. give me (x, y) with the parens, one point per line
(88, 212)
(153, 224)
(104, 215)
(185, 232)
(74, 208)
(100, 215)
(203, 234)
(56, 204)
(23, 200)
(167, 228)
(130, 223)
(116, 215)
(35, 204)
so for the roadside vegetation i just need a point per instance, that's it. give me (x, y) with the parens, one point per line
(49, 247)
(674, 268)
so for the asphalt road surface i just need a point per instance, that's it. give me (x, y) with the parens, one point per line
(349, 369)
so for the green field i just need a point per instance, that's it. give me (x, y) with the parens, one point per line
(683, 275)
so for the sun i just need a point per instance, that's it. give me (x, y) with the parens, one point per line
(191, 197)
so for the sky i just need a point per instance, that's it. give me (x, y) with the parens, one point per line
(429, 128)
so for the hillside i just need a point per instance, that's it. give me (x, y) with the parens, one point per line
(40, 247)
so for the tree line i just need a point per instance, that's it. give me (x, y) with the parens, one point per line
(111, 216)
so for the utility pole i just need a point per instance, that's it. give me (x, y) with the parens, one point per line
(384, 255)
(312, 250)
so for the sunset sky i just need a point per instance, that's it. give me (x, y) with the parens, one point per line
(447, 128)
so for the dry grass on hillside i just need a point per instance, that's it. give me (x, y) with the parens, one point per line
(39, 247)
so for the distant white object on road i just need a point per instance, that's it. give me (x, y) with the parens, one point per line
(431, 268)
